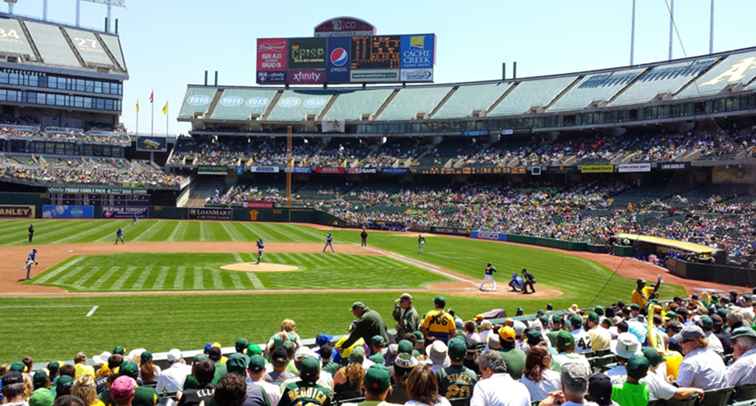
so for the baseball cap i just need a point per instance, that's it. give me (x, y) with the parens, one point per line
(419, 337)
(119, 349)
(439, 301)
(626, 346)
(557, 318)
(130, 369)
(600, 389)
(13, 377)
(173, 355)
(404, 347)
(377, 358)
(357, 356)
(39, 379)
(599, 310)
(653, 356)
(358, 305)
(146, 356)
(310, 367)
(63, 385)
(254, 349)
(123, 387)
(576, 321)
(533, 336)
(689, 333)
(634, 306)
(507, 333)
(564, 340)
(42, 397)
(241, 344)
(236, 363)
(405, 296)
(593, 317)
(575, 376)
(705, 322)
(743, 332)
(321, 340)
(457, 349)
(256, 363)
(53, 366)
(17, 367)
(377, 378)
(378, 340)
(637, 367)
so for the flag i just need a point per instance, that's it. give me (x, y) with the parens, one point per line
(152, 96)
(165, 108)
(137, 106)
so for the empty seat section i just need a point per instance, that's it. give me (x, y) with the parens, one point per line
(51, 44)
(666, 78)
(242, 104)
(296, 105)
(600, 87)
(468, 98)
(197, 100)
(89, 47)
(353, 105)
(114, 45)
(413, 100)
(531, 93)
(14, 41)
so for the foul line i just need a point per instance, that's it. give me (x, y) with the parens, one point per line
(92, 311)
(421, 264)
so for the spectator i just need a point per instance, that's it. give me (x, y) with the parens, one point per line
(68, 400)
(514, 357)
(627, 347)
(701, 367)
(574, 378)
(148, 371)
(348, 380)
(565, 346)
(538, 376)
(13, 389)
(306, 390)
(40, 380)
(600, 390)
(496, 387)
(457, 381)
(172, 378)
(405, 315)
(438, 354)
(422, 388)
(438, 324)
(633, 392)
(743, 370)
(63, 385)
(377, 386)
(122, 391)
(279, 374)
(42, 397)
(259, 392)
(658, 387)
(85, 389)
(230, 391)
(369, 323)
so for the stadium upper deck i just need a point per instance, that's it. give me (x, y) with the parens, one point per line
(704, 86)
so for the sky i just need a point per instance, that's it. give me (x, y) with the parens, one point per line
(170, 43)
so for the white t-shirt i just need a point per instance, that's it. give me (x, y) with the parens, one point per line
(658, 387)
(582, 341)
(550, 382)
(273, 391)
(442, 401)
(702, 368)
(172, 378)
(499, 390)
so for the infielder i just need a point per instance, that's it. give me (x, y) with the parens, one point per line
(329, 243)
(363, 237)
(488, 278)
(31, 233)
(260, 250)
(420, 243)
(119, 236)
(31, 260)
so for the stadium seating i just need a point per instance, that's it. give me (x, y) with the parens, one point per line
(414, 102)
(356, 105)
(471, 98)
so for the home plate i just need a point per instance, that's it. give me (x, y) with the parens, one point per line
(261, 267)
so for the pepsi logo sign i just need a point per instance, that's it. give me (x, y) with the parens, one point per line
(339, 57)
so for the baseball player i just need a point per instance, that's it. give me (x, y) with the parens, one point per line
(420, 243)
(528, 281)
(363, 237)
(488, 279)
(31, 233)
(516, 282)
(260, 250)
(329, 243)
(31, 260)
(119, 236)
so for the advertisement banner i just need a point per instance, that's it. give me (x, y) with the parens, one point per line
(518, 171)
(369, 170)
(339, 60)
(631, 168)
(271, 77)
(17, 211)
(298, 169)
(307, 76)
(212, 170)
(475, 133)
(449, 230)
(488, 235)
(264, 169)
(258, 204)
(329, 170)
(50, 211)
(125, 212)
(307, 53)
(374, 75)
(376, 52)
(272, 54)
(210, 214)
(417, 51)
(597, 168)
(673, 166)
(394, 171)
(416, 75)
(151, 144)
(344, 27)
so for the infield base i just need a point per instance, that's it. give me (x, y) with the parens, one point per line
(261, 267)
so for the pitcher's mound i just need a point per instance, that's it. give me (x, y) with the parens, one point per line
(261, 267)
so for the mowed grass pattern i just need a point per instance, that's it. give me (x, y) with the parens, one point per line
(162, 272)
(14, 232)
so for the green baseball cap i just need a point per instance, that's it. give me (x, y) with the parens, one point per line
(236, 363)
(599, 310)
(42, 397)
(439, 300)
(564, 340)
(743, 332)
(64, 384)
(254, 349)
(634, 306)
(653, 356)
(200, 358)
(457, 349)
(359, 305)
(404, 347)
(593, 317)
(310, 367)
(241, 344)
(377, 358)
(39, 379)
(637, 367)
(17, 366)
(129, 369)
(119, 350)
(256, 363)
(706, 322)
(53, 366)
(557, 319)
(357, 356)
(533, 335)
(377, 379)
(378, 340)
(419, 336)
(576, 321)
(671, 315)
(146, 356)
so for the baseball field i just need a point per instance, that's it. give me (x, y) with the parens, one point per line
(184, 283)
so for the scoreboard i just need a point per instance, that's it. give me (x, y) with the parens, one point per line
(346, 59)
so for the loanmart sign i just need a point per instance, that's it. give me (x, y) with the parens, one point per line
(630, 168)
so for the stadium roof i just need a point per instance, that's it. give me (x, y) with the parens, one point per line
(690, 78)
(674, 244)
(57, 48)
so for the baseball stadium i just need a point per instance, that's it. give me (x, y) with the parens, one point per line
(345, 230)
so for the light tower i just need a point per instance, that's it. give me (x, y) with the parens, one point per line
(109, 3)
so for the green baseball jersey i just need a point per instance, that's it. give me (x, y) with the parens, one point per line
(457, 381)
(302, 393)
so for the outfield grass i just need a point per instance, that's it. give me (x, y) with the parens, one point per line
(144, 272)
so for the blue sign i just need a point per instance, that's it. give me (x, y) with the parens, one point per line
(475, 133)
(51, 211)
(298, 169)
(263, 169)
(395, 171)
(488, 235)
(417, 51)
(338, 59)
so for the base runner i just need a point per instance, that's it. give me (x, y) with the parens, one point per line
(31, 260)
(260, 250)
(488, 279)
(329, 243)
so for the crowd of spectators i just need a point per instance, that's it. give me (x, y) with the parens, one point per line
(620, 354)
(36, 169)
(70, 135)
(543, 151)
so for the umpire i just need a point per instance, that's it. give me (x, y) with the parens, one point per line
(528, 281)
(369, 324)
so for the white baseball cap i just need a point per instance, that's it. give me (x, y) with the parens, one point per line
(626, 346)
(173, 355)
